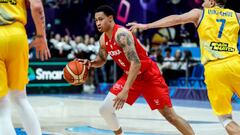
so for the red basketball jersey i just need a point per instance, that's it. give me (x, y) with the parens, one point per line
(117, 54)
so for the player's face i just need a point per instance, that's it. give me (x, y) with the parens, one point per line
(102, 21)
(207, 3)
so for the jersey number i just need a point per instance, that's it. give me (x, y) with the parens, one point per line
(223, 22)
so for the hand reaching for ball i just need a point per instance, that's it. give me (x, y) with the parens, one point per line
(85, 62)
(76, 72)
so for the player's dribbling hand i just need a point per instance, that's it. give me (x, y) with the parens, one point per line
(42, 51)
(134, 26)
(85, 62)
(120, 100)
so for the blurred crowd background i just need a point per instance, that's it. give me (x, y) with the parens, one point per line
(71, 33)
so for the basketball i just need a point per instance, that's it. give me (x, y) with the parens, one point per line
(75, 73)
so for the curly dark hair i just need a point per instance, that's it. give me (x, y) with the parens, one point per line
(107, 10)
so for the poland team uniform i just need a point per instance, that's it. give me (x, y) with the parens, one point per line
(149, 82)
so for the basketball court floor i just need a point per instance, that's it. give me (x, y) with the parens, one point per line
(78, 115)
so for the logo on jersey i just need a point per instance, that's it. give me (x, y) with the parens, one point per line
(121, 62)
(13, 2)
(219, 46)
(156, 101)
(114, 53)
(110, 44)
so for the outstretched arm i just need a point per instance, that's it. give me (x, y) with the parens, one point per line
(125, 40)
(192, 16)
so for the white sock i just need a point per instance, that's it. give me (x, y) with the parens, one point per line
(26, 112)
(6, 127)
(108, 112)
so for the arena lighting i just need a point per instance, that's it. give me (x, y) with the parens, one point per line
(124, 18)
(198, 1)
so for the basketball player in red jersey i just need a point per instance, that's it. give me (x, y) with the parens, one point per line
(141, 75)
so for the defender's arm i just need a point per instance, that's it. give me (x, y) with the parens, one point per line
(192, 16)
(38, 17)
(39, 41)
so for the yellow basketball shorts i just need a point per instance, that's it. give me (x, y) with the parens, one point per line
(13, 58)
(222, 78)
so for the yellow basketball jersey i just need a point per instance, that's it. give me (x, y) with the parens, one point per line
(12, 11)
(218, 34)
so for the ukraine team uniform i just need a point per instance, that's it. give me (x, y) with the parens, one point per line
(149, 82)
(13, 46)
(218, 34)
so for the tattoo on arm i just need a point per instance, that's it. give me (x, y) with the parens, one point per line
(123, 39)
(42, 18)
(132, 56)
(127, 44)
(102, 54)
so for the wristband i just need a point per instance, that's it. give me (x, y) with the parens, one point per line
(38, 36)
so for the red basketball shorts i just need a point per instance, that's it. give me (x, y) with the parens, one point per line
(150, 84)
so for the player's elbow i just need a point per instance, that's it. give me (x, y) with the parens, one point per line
(103, 63)
(178, 19)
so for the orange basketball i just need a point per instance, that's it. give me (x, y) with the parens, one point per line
(75, 72)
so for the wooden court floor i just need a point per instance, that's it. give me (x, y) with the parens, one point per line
(73, 115)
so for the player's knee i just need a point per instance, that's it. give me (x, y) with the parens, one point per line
(233, 128)
(171, 117)
(235, 131)
(19, 101)
(225, 120)
(229, 124)
(103, 110)
(3, 101)
(15, 100)
(18, 97)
